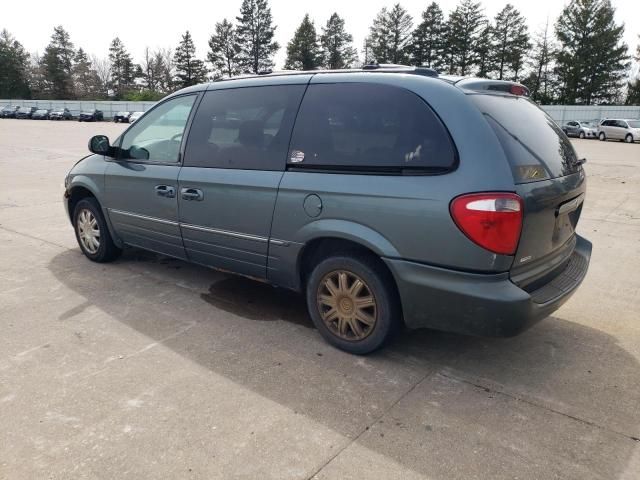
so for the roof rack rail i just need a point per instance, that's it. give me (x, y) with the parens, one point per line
(393, 67)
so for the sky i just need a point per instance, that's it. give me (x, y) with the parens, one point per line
(160, 24)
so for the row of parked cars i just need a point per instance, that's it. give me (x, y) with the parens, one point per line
(35, 113)
(623, 129)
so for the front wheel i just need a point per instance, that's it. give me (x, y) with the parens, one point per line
(581, 135)
(602, 136)
(628, 138)
(353, 302)
(92, 233)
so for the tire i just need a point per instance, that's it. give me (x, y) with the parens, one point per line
(87, 217)
(581, 135)
(376, 286)
(628, 138)
(602, 136)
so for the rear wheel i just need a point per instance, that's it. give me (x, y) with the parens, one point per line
(602, 136)
(353, 303)
(92, 233)
(628, 138)
(581, 135)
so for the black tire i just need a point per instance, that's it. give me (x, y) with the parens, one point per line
(107, 251)
(628, 138)
(602, 136)
(378, 282)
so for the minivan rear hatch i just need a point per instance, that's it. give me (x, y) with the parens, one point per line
(547, 175)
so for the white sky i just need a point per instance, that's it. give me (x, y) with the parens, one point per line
(139, 23)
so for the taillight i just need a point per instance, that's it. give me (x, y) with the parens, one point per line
(492, 220)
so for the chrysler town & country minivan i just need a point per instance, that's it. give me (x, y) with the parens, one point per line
(388, 196)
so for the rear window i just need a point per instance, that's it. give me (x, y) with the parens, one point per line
(533, 143)
(359, 126)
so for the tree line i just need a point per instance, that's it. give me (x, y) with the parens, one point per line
(579, 59)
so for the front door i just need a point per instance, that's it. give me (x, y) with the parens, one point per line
(141, 184)
(234, 161)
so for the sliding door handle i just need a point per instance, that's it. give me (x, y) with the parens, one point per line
(192, 194)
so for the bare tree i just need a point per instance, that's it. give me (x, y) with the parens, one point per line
(102, 66)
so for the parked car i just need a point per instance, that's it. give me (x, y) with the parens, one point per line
(135, 116)
(574, 128)
(60, 114)
(122, 117)
(40, 114)
(9, 111)
(384, 198)
(91, 116)
(25, 112)
(619, 129)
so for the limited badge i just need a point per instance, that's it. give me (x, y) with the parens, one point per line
(296, 156)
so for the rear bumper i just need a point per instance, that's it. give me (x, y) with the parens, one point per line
(482, 304)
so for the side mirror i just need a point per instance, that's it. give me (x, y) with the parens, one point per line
(99, 144)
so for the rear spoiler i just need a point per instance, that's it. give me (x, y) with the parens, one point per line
(484, 84)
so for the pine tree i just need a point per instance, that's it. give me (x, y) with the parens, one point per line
(336, 44)
(428, 39)
(224, 50)
(390, 35)
(303, 51)
(464, 27)
(484, 52)
(510, 38)
(122, 69)
(255, 36)
(14, 68)
(85, 79)
(633, 88)
(593, 58)
(58, 65)
(189, 69)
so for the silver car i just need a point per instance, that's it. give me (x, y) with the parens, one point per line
(574, 128)
(619, 129)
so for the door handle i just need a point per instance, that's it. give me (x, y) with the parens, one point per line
(192, 194)
(165, 191)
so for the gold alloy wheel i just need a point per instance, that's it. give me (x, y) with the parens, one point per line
(347, 305)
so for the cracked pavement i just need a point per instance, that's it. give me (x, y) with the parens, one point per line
(153, 368)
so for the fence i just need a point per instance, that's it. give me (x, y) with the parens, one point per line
(560, 113)
(563, 113)
(75, 106)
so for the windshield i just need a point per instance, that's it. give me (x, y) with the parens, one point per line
(634, 123)
(41, 111)
(586, 124)
(25, 109)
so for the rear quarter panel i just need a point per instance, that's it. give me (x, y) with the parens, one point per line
(397, 216)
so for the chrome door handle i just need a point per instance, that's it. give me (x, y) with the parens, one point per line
(165, 191)
(192, 194)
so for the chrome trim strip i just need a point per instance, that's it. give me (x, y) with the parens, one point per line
(198, 228)
(143, 217)
(244, 236)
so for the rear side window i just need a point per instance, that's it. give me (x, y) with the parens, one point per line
(359, 126)
(244, 128)
(533, 143)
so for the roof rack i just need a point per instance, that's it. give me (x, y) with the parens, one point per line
(393, 67)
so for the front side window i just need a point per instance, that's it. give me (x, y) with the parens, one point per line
(158, 135)
(244, 128)
(361, 126)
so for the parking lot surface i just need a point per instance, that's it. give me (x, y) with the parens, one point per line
(153, 368)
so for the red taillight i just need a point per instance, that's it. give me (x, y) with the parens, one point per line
(492, 220)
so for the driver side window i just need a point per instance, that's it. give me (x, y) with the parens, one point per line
(158, 134)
